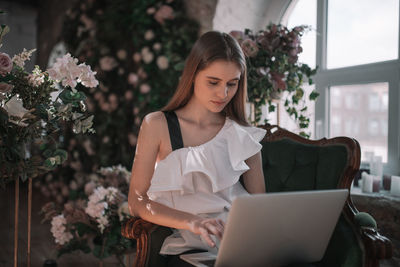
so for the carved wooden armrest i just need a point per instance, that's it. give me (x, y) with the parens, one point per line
(377, 246)
(139, 229)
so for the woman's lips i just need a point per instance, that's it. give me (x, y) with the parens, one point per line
(218, 102)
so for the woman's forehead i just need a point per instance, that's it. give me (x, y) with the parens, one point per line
(222, 69)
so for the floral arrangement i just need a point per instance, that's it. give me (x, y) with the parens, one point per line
(34, 107)
(92, 222)
(154, 37)
(273, 68)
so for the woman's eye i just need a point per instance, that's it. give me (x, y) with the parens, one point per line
(231, 84)
(213, 83)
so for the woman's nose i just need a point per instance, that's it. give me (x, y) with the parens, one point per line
(223, 92)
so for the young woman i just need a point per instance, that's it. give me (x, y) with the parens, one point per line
(190, 156)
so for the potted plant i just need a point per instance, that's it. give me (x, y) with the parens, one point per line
(273, 68)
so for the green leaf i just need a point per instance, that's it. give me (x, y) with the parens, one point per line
(68, 96)
(314, 94)
(271, 108)
(179, 66)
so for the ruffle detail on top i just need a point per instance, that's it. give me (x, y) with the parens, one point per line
(221, 161)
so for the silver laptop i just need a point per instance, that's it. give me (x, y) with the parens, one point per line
(276, 229)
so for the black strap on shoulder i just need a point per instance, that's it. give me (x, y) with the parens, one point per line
(174, 130)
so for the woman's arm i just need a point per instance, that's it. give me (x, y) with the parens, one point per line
(254, 178)
(147, 149)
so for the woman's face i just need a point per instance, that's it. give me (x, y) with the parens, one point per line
(216, 85)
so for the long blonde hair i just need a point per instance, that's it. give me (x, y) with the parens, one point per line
(212, 46)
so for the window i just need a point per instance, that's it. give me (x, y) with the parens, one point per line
(362, 31)
(357, 51)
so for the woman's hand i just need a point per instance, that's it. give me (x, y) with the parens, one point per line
(205, 227)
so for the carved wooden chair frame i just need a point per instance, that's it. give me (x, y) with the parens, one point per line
(376, 247)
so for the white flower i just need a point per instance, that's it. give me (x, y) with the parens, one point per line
(14, 107)
(58, 230)
(20, 59)
(69, 73)
(162, 62)
(37, 77)
(147, 55)
(98, 204)
(145, 88)
(149, 35)
(86, 77)
(151, 10)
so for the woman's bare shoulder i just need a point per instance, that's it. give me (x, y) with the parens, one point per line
(154, 123)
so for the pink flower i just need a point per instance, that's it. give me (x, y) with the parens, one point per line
(128, 95)
(151, 10)
(162, 62)
(108, 63)
(147, 55)
(58, 230)
(89, 188)
(165, 12)
(87, 76)
(277, 81)
(121, 54)
(20, 59)
(137, 57)
(149, 35)
(5, 87)
(145, 88)
(133, 79)
(6, 64)
(250, 48)
(157, 47)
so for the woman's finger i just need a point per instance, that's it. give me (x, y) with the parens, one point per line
(214, 229)
(206, 236)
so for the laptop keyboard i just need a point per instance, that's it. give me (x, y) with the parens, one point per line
(209, 263)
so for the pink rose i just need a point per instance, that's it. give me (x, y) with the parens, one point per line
(5, 87)
(277, 81)
(165, 12)
(6, 64)
(250, 48)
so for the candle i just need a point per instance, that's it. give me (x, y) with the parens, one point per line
(395, 186)
(386, 181)
(367, 182)
(376, 184)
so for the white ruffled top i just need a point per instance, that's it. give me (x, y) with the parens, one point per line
(204, 179)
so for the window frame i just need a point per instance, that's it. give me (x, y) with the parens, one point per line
(385, 71)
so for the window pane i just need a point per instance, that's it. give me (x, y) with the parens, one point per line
(362, 31)
(304, 12)
(361, 111)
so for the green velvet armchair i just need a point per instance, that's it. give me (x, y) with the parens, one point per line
(293, 163)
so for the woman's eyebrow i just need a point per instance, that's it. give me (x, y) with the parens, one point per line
(215, 78)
